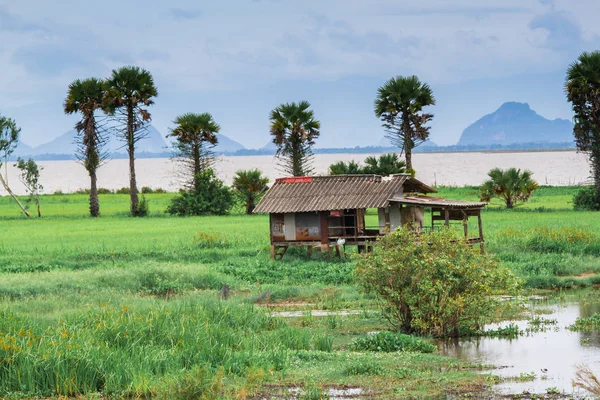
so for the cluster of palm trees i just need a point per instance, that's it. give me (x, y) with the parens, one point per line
(124, 97)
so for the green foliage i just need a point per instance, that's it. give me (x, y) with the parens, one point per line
(512, 185)
(433, 283)
(399, 105)
(249, 186)
(390, 342)
(385, 165)
(364, 367)
(143, 208)
(104, 191)
(583, 91)
(123, 190)
(9, 137)
(346, 168)
(511, 331)
(147, 190)
(294, 130)
(586, 199)
(586, 324)
(29, 176)
(209, 197)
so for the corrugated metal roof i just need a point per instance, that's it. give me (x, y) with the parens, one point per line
(336, 192)
(436, 202)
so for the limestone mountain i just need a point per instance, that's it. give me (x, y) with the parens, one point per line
(516, 123)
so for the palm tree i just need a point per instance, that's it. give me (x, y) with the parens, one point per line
(85, 97)
(251, 185)
(512, 185)
(345, 168)
(195, 135)
(294, 129)
(399, 105)
(386, 164)
(130, 91)
(582, 87)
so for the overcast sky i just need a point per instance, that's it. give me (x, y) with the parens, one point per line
(237, 59)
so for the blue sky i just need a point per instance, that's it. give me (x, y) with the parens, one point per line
(240, 58)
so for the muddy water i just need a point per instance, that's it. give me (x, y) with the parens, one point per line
(451, 169)
(549, 357)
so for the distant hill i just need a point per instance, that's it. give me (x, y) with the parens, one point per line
(515, 123)
(153, 143)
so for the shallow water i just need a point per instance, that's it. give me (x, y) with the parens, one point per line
(450, 169)
(551, 355)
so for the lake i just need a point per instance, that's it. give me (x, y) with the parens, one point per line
(451, 169)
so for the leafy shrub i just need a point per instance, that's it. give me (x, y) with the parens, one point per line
(123, 190)
(82, 191)
(147, 190)
(586, 199)
(104, 191)
(434, 283)
(143, 208)
(390, 342)
(586, 324)
(58, 192)
(160, 190)
(209, 197)
(158, 283)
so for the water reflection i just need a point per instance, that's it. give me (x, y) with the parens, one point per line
(549, 357)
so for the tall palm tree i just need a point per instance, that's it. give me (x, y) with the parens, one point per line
(195, 135)
(129, 92)
(345, 168)
(294, 130)
(582, 87)
(251, 185)
(512, 185)
(85, 97)
(399, 105)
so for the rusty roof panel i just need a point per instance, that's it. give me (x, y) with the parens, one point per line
(337, 192)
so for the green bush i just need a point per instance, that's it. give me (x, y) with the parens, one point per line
(143, 208)
(160, 190)
(586, 199)
(390, 342)
(364, 367)
(123, 190)
(209, 197)
(104, 191)
(147, 190)
(434, 283)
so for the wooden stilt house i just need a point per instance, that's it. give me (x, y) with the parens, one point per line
(329, 211)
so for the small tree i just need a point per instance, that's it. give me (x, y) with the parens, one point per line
(210, 197)
(433, 283)
(294, 130)
(399, 105)
(194, 137)
(512, 185)
(9, 138)
(30, 178)
(250, 185)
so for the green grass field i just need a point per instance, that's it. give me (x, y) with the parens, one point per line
(118, 306)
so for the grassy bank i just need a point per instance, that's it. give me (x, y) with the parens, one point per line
(130, 307)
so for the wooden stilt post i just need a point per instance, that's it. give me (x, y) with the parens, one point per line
(446, 217)
(482, 245)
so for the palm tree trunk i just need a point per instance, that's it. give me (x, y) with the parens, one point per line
(13, 196)
(196, 155)
(296, 161)
(407, 142)
(94, 202)
(133, 195)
